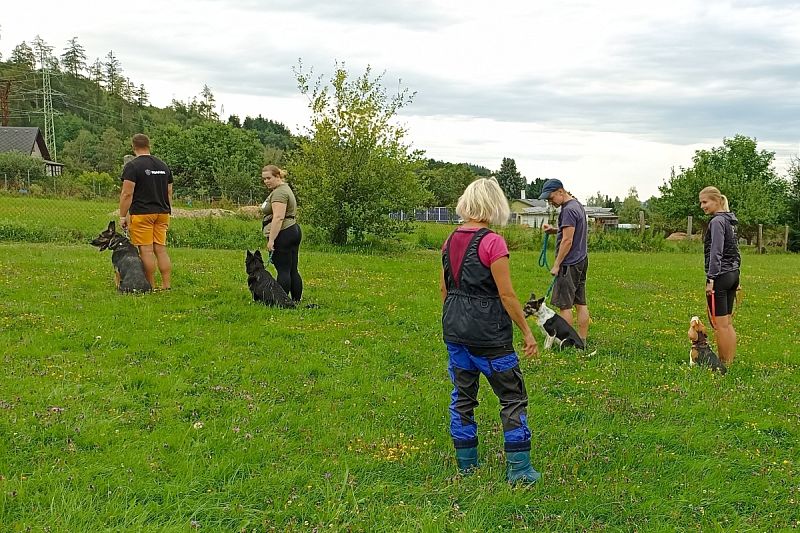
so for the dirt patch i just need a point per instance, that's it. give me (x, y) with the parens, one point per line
(681, 236)
(250, 211)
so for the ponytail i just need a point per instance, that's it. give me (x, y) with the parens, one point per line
(714, 194)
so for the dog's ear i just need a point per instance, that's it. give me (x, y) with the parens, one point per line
(540, 301)
(258, 254)
(533, 297)
(249, 255)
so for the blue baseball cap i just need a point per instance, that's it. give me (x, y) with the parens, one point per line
(550, 186)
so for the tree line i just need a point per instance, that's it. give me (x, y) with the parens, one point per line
(352, 168)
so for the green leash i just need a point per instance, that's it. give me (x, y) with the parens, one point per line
(543, 256)
(543, 263)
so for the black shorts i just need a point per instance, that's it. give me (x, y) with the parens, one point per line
(725, 286)
(570, 286)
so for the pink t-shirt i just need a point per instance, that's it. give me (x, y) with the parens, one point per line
(491, 248)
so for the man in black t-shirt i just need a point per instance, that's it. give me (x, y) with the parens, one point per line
(145, 204)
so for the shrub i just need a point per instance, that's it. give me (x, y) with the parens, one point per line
(99, 183)
(624, 241)
(794, 240)
(18, 167)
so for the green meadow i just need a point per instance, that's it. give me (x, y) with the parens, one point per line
(197, 409)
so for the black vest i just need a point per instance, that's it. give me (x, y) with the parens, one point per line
(473, 314)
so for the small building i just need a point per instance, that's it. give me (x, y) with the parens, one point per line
(535, 216)
(531, 213)
(538, 215)
(602, 216)
(28, 141)
(520, 204)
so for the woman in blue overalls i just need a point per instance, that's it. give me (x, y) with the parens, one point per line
(479, 305)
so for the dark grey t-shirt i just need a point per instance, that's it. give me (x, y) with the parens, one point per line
(573, 214)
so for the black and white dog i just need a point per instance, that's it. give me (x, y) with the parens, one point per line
(128, 269)
(262, 285)
(555, 329)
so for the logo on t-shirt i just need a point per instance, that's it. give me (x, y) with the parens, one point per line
(148, 171)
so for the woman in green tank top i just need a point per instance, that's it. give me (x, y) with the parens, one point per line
(281, 229)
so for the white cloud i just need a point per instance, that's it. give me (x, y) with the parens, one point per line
(604, 95)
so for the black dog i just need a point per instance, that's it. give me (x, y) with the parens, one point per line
(262, 285)
(128, 269)
(554, 327)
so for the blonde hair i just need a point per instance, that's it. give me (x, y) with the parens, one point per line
(714, 194)
(483, 201)
(275, 171)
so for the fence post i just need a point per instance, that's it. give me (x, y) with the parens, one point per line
(786, 238)
(760, 242)
(689, 228)
(641, 221)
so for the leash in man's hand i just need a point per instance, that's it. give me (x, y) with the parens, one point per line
(543, 263)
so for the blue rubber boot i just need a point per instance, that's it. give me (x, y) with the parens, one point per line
(467, 459)
(519, 469)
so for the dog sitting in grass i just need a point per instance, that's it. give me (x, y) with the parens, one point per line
(128, 268)
(263, 286)
(556, 330)
(701, 353)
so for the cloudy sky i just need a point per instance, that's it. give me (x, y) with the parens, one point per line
(603, 95)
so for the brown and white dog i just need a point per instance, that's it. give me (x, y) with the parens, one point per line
(701, 353)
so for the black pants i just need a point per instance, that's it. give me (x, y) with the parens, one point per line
(284, 257)
(725, 286)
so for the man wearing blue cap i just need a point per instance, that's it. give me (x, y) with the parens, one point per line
(572, 259)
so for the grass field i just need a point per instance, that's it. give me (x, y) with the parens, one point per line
(198, 409)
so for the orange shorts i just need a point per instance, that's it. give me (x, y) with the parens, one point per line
(149, 229)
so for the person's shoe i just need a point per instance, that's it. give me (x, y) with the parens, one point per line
(519, 469)
(467, 459)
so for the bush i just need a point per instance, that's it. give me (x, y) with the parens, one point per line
(794, 240)
(21, 168)
(99, 183)
(626, 241)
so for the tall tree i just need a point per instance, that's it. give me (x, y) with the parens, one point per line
(22, 54)
(510, 179)
(270, 132)
(741, 172)
(207, 104)
(78, 154)
(479, 170)
(74, 57)
(445, 181)
(43, 53)
(112, 70)
(141, 96)
(234, 121)
(354, 170)
(629, 210)
(599, 200)
(109, 152)
(534, 188)
(128, 90)
(212, 157)
(793, 203)
(96, 72)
